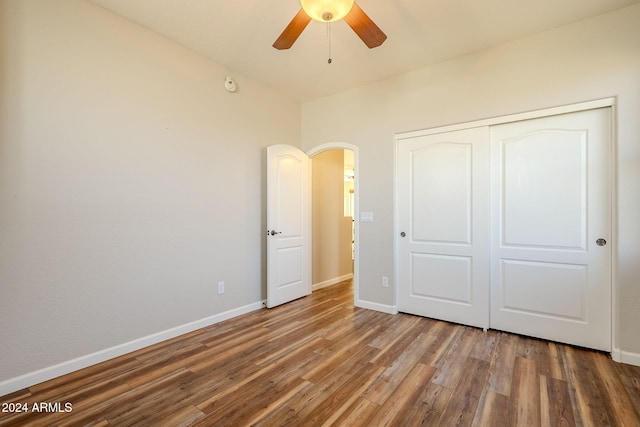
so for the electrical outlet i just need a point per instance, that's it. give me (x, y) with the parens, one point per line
(385, 282)
(220, 288)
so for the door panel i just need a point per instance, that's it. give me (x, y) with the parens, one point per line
(545, 178)
(561, 294)
(551, 203)
(441, 277)
(441, 190)
(443, 264)
(288, 224)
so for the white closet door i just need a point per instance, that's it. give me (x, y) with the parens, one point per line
(551, 227)
(443, 240)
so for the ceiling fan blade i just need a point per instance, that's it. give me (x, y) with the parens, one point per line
(364, 27)
(293, 31)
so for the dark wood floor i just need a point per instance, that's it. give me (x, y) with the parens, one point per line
(320, 361)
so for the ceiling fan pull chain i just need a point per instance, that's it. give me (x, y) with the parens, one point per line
(329, 36)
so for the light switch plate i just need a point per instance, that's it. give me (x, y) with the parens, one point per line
(366, 216)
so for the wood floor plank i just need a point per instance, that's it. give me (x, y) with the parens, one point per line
(360, 330)
(391, 327)
(91, 406)
(432, 404)
(502, 364)
(484, 348)
(357, 414)
(212, 355)
(557, 410)
(452, 368)
(443, 336)
(588, 405)
(630, 377)
(403, 339)
(391, 378)
(246, 373)
(545, 404)
(258, 415)
(431, 343)
(324, 368)
(544, 353)
(150, 400)
(342, 398)
(493, 409)
(526, 393)
(92, 423)
(614, 395)
(261, 391)
(155, 369)
(242, 405)
(321, 361)
(304, 403)
(86, 378)
(461, 410)
(409, 391)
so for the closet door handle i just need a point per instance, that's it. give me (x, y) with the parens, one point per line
(402, 234)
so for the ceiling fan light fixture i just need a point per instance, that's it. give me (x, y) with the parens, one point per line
(327, 10)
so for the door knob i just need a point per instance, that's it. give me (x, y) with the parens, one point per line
(402, 234)
(601, 242)
(274, 232)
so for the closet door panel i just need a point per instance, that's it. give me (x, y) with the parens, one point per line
(442, 242)
(551, 218)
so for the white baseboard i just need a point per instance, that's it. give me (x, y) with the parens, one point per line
(45, 374)
(331, 282)
(625, 357)
(390, 309)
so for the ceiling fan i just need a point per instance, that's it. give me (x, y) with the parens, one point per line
(330, 11)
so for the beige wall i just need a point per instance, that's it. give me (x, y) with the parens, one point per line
(131, 183)
(331, 229)
(591, 59)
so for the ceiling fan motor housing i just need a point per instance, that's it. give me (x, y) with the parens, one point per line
(327, 10)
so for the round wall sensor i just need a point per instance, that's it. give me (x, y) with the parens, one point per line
(230, 85)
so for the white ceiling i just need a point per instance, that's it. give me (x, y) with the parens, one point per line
(238, 35)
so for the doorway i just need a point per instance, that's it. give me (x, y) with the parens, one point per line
(289, 225)
(349, 209)
(333, 231)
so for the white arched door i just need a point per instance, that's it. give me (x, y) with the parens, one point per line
(288, 224)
